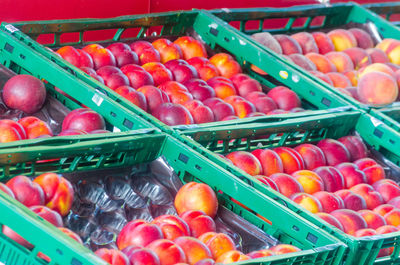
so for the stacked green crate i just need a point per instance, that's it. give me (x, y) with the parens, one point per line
(270, 134)
(135, 148)
(312, 18)
(167, 25)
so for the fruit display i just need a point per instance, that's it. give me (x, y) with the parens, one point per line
(141, 218)
(347, 59)
(177, 83)
(321, 170)
(29, 113)
(334, 179)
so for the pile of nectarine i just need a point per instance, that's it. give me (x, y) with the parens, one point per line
(335, 179)
(177, 83)
(79, 121)
(26, 93)
(49, 195)
(346, 59)
(190, 238)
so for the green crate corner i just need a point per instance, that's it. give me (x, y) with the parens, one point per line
(335, 16)
(378, 135)
(18, 56)
(173, 24)
(91, 154)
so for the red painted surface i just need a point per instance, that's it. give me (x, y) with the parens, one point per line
(24, 10)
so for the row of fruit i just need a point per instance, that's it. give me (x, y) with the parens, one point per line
(333, 179)
(175, 82)
(190, 238)
(27, 94)
(345, 59)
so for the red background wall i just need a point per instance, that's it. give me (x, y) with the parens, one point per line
(23, 10)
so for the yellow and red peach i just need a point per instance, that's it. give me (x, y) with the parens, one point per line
(365, 232)
(218, 243)
(321, 62)
(312, 155)
(142, 256)
(287, 185)
(341, 60)
(200, 112)
(306, 42)
(330, 220)
(371, 197)
(196, 196)
(377, 55)
(172, 226)
(246, 161)
(168, 50)
(138, 233)
(387, 190)
(350, 220)
(267, 181)
(194, 249)
(372, 219)
(153, 96)
(285, 98)
(352, 200)
(271, 162)
(362, 37)
(335, 152)
(342, 39)
(198, 222)
(34, 127)
(359, 57)
(135, 97)
(58, 192)
(355, 146)
(167, 251)
(377, 88)
(307, 201)
(302, 61)
(332, 178)
(260, 253)
(191, 47)
(339, 80)
(26, 191)
(329, 201)
(288, 44)
(309, 180)
(393, 217)
(383, 209)
(323, 42)
(352, 76)
(291, 159)
(376, 67)
(322, 76)
(173, 114)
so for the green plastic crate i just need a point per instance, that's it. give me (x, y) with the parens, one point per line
(311, 18)
(126, 149)
(10, 64)
(389, 11)
(169, 25)
(15, 56)
(269, 134)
